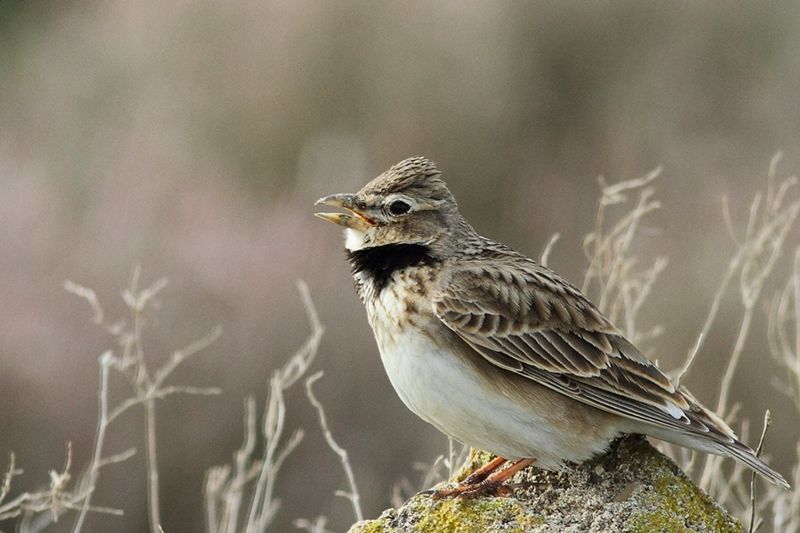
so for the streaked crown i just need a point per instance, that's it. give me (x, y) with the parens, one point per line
(415, 176)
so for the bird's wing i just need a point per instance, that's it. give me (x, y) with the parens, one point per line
(523, 318)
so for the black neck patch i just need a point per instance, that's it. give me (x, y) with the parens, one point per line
(380, 262)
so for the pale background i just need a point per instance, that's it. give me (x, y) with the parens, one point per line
(193, 137)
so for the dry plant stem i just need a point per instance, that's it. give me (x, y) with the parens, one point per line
(797, 323)
(602, 244)
(733, 266)
(59, 497)
(634, 293)
(253, 477)
(352, 495)
(263, 505)
(231, 493)
(39, 509)
(622, 291)
(753, 526)
(143, 384)
(708, 478)
(242, 471)
(549, 248)
(615, 270)
(262, 508)
(729, 490)
(147, 388)
(102, 424)
(768, 225)
(622, 287)
(5, 488)
(733, 362)
(315, 526)
(751, 293)
(453, 457)
(450, 457)
(153, 501)
(783, 325)
(91, 298)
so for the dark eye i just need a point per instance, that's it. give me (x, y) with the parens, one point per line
(399, 207)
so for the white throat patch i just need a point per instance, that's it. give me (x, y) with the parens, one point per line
(353, 239)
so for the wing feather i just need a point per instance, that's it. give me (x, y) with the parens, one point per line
(521, 318)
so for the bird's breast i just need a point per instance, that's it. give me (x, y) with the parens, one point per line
(414, 349)
(402, 307)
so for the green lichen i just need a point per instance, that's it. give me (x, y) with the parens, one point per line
(454, 515)
(681, 506)
(369, 526)
(630, 488)
(457, 515)
(476, 459)
(677, 503)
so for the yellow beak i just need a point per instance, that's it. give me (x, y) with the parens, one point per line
(355, 219)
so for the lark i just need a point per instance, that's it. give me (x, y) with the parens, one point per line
(498, 351)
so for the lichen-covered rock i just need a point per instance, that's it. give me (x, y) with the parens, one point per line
(632, 488)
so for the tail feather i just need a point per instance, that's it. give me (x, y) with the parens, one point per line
(717, 439)
(744, 454)
(721, 440)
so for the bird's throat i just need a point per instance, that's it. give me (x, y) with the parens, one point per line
(379, 263)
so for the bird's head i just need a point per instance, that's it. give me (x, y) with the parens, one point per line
(407, 204)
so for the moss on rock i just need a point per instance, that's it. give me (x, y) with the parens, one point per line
(425, 515)
(632, 487)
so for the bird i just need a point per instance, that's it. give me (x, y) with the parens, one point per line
(498, 351)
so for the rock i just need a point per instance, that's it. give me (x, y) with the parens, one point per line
(632, 487)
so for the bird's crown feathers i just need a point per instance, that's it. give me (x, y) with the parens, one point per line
(416, 175)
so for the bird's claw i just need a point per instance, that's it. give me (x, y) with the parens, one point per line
(471, 490)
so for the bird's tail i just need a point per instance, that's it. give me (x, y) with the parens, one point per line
(744, 454)
(716, 437)
(719, 439)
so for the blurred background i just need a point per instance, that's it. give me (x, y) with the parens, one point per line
(192, 138)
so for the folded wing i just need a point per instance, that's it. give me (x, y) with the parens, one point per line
(522, 318)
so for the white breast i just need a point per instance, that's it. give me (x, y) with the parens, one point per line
(444, 389)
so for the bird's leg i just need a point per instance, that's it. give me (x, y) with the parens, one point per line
(483, 472)
(497, 479)
(491, 485)
(471, 481)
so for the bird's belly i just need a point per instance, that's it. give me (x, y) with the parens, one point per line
(447, 391)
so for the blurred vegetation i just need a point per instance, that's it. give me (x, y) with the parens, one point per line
(192, 138)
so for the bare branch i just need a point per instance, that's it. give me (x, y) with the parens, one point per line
(352, 495)
(179, 356)
(315, 526)
(90, 296)
(116, 458)
(90, 480)
(254, 477)
(753, 527)
(12, 471)
(548, 248)
(733, 266)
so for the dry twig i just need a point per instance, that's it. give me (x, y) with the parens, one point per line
(130, 362)
(227, 486)
(753, 525)
(352, 495)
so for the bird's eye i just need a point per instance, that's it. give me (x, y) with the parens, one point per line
(399, 207)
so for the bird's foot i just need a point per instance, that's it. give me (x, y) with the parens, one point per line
(486, 487)
(489, 482)
(485, 471)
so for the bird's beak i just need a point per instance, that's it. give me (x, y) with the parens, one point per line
(355, 219)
